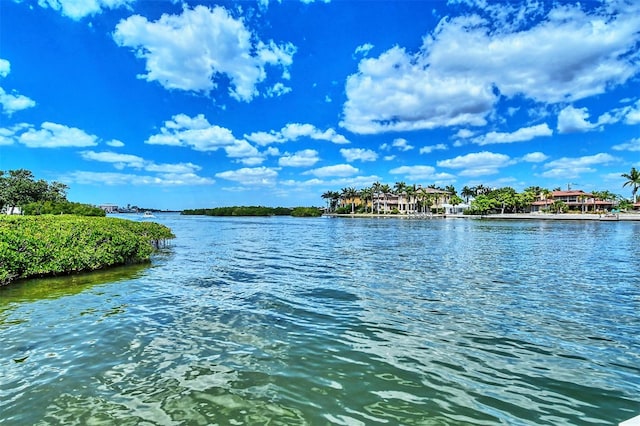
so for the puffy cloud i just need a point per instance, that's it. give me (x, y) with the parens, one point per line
(13, 103)
(469, 62)
(535, 157)
(396, 92)
(430, 148)
(571, 120)
(632, 114)
(124, 179)
(120, 161)
(421, 173)
(190, 51)
(567, 167)
(353, 154)
(520, 135)
(295, 131)
(115, 143)
(200, 135)
(304, 158)
(77, 10)
(251, 176)
(52, 135)
(5, 67)
(632, 145)
(477, 163)
(339, 170)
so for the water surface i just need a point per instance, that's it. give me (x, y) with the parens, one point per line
(336, 321)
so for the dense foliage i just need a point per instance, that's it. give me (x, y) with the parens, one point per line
(32, 246)
(61, 207)
(19, 188)
(240, 211)
(306, 212)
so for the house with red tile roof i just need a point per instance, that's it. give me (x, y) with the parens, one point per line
(574, 199)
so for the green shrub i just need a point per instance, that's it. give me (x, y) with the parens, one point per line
(33, 246)
(306, 212)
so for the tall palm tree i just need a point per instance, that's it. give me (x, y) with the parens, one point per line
(327, 196)
(350, 194)
(546, 195)
(399, 189)
(633, 180)
(466, 193)
(376, 188)
(366, 194)
(385, 190)
(410, 192)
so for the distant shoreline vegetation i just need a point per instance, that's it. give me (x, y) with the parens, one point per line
(255, 211)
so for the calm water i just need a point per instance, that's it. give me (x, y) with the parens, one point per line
(287, 321)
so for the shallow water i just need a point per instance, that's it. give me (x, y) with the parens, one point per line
(336, 321)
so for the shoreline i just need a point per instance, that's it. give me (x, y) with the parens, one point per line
(620, 217)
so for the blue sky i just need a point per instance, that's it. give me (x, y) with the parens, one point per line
(200, 104)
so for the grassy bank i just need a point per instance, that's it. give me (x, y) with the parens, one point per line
(34, 246)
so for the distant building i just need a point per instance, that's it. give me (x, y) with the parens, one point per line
(109, 208)
(574, 200)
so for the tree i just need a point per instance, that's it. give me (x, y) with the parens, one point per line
(505, 198)
(482, 204)
(385, 190)
(399, 189)
(19, 188)
(367, 194)
(467, 193)
(350, 194)
(376, 189)
(633, 180)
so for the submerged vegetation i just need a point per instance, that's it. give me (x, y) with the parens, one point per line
(35, 246)
(255, 211)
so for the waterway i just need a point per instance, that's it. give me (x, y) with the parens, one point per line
(330, 321)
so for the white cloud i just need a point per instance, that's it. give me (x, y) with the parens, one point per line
(402, 144)
(295, 131)
(470, 62)
(354, 154)
(339, 170)
(120, 161)
(13, 103)
(78, 9)
(115, 143)
(190, 51)
(535, 157)
(520, 135)
(396, 92)
(477, 163)
(251, 176)
(430, 148)
(464, 134)
(632, 114)
(5, 67)
(572, 120)
(304, 158)
(567, 167)
(125, 179)
(200, 135)
(632, 145)
(364, 49)
(421, 173)
(52, 135)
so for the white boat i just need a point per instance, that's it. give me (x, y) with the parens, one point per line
(147, 215)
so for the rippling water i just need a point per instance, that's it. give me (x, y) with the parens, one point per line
(336, 321)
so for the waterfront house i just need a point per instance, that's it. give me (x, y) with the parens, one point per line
(109, 208)
(574, 200)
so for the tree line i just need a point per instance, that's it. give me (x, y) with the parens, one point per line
(21, 192)
(481, 199)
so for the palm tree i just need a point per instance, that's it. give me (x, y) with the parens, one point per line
(350, 194)
(385, 190)
(327, 196)
(633, 180)
(399, 189)
(376, 188)
(546, 194)
(466, 193)
(410, 191)
(366, 194)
